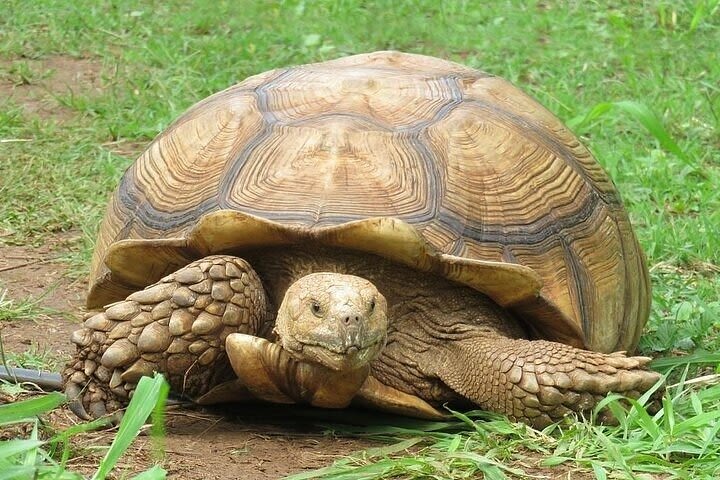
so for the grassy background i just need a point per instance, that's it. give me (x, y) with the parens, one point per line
(579, 58)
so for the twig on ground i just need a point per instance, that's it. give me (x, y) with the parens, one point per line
(27, 264)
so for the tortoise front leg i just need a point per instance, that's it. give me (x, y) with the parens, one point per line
(271, 373)
(176, 326)
(537, 381)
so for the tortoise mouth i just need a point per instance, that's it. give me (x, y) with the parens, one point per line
(334, 357)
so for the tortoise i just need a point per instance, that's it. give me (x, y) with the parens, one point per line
(388, 230)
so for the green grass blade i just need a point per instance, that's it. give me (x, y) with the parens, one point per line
(666, 363)
(148, 393)
(340, 467)
(697, 422)
(638, 112)
(394, 448)
(157, 430)
(454, 443)
(642, 113)
(599, 471)
(711, 437)
(13, 412)
(14, 472)
(32, 454)
(710, 395)
(491, 468)
(697, 16)
(154, 473)
(578, 123)
(11, 448)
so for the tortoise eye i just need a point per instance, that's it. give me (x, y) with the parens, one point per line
(315, 307)
(372, 305)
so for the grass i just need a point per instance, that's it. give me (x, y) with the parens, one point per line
(680, 440)
(637, 80)
(26, 308)
(37, 456)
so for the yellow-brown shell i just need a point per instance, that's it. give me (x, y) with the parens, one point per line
(420, 160)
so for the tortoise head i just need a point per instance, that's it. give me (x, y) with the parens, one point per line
(335, 320)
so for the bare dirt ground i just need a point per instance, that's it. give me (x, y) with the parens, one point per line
(32, 274)
(34, 84)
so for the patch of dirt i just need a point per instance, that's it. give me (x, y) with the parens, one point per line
(35, 274)
(35, 84)
(206, 446)
(130, 149)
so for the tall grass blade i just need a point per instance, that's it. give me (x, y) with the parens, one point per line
(640, 113)
(646, 117)
(394, 448)
(599, 471)
(13, 412)
(14, 472)
(666, 363)
(14, 447)
(154, 473)
(148, 393)
(32, 454)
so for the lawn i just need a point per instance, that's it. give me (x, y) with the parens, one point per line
(85, 85)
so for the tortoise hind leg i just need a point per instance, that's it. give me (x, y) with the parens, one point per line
(176, 326)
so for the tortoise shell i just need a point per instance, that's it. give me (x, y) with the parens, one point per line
(420, 160)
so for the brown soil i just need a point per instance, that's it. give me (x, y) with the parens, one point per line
(49, 77)
(32, 274)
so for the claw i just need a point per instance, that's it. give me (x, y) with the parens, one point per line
(97, 409)
(116, 417)
(73, 391)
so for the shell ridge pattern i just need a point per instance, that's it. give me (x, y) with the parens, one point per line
(610, 198)
(625, 320)
(235, 166)
(485, 233)
(457, 227)
(413, 133)
(322, 116)
(130, 195)
(145, 212)
(452, 82)
(437, 182)
(582, 281)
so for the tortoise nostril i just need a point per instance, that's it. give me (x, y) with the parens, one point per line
(348, 319)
